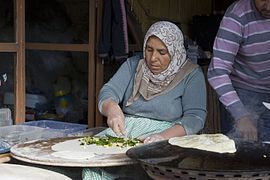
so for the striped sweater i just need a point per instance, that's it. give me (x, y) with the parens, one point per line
(241, 55)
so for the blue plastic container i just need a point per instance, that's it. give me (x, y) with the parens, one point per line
(4, 147)
(67, 128)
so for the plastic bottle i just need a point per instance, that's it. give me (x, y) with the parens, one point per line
(63, 100)
(63, 103)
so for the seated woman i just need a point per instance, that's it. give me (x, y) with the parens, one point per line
(155, 98)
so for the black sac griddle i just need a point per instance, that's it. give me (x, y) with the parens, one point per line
(162, 160)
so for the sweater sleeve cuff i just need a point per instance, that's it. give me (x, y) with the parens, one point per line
(191, 124)
(101, 102)
(237, 110)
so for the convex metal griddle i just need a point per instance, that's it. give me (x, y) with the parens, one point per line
(162, 160)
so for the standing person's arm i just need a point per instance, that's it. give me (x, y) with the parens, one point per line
(226, 46)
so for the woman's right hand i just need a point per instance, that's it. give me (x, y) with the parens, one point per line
(115, 117)
(116, 121)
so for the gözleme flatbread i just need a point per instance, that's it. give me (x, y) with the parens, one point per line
(209, 142)
(88, 147)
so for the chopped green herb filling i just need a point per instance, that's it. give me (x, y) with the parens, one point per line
(110, 141)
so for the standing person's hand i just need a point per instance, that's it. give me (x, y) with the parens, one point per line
(115, 117)
(247, 129)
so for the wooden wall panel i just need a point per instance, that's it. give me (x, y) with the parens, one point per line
(178, 11)
(212, 123)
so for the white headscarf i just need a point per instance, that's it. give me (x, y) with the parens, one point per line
(173, 39)
(150, 85)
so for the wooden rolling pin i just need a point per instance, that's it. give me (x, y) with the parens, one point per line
(4, 157)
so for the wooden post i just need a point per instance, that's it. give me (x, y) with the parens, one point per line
(20, 63)
(99, 65)
(91, 63)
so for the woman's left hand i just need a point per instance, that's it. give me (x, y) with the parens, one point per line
(153, 138)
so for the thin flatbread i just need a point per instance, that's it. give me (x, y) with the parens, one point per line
(72, 149)
(209, 142)
(267, 105)
(22, 172)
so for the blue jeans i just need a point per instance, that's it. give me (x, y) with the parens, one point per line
(261, 115)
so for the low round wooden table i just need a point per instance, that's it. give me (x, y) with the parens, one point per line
(40, 152)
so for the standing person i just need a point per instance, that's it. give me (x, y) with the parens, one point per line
(155, 98)
(240, 68)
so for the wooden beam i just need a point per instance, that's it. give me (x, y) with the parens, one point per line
(8, 47)
(58, 47)
(20, 63)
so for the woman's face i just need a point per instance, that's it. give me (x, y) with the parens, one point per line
(263, 7)
(156, 55)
